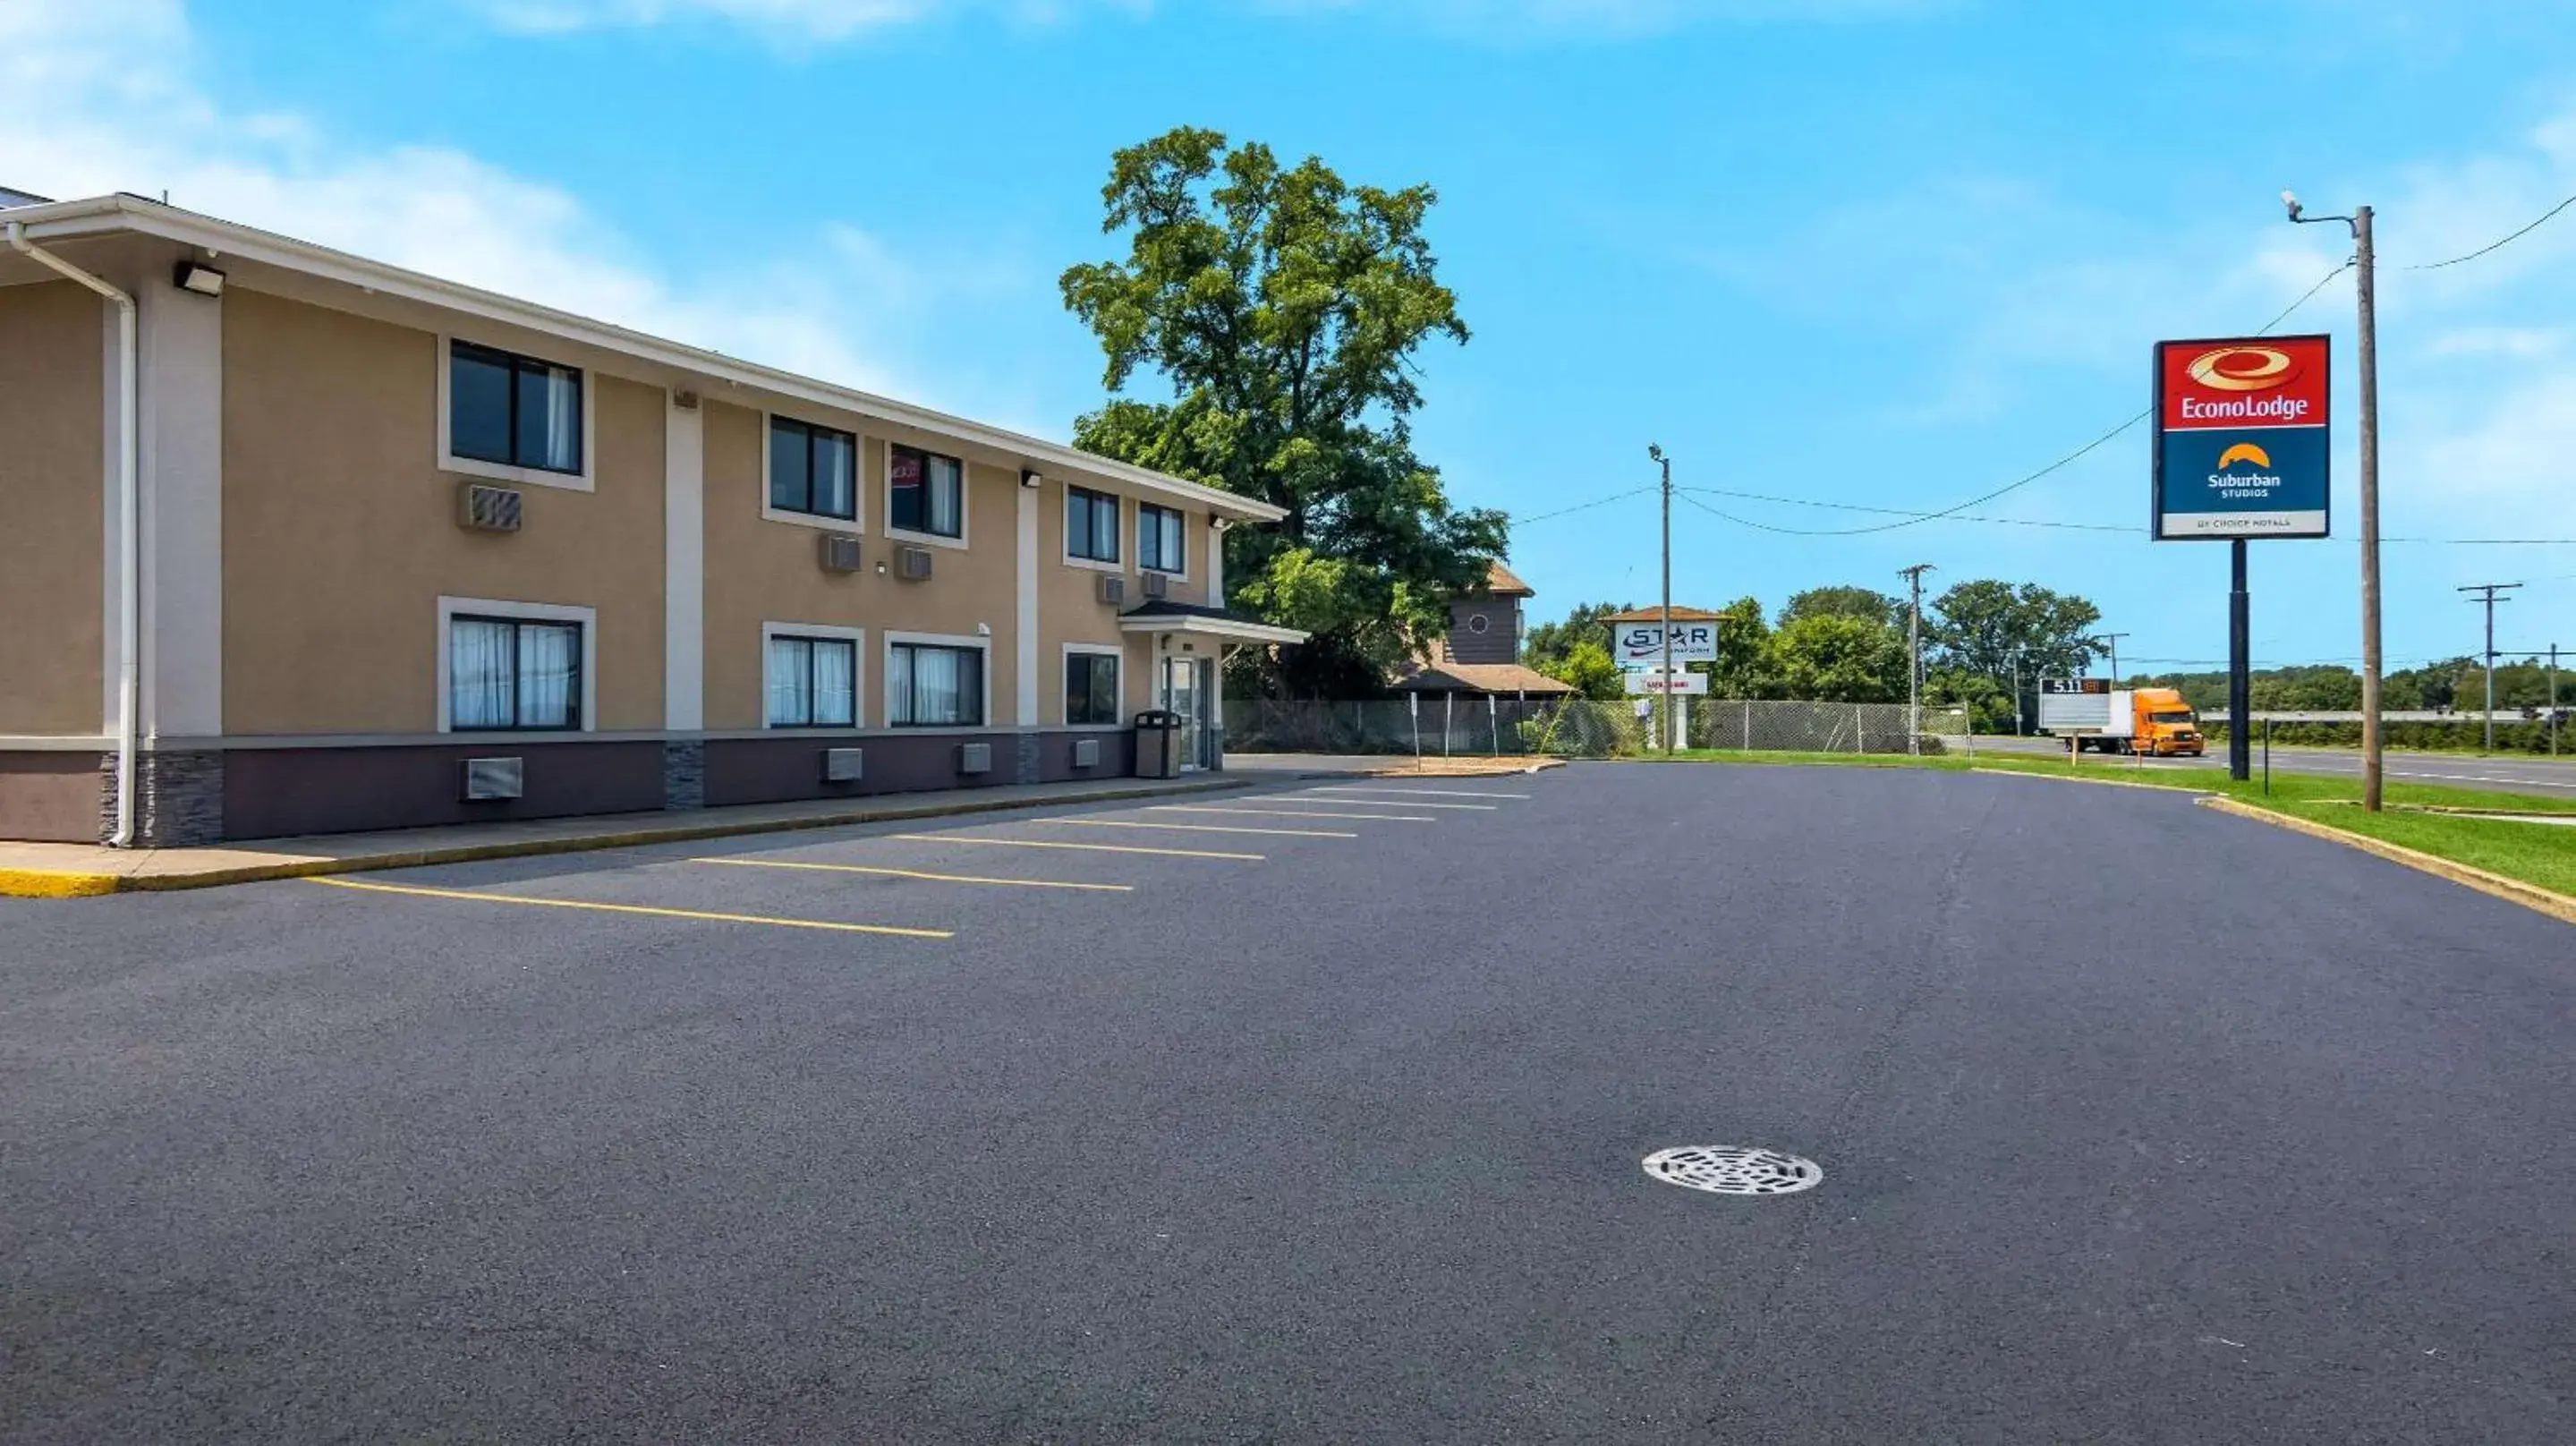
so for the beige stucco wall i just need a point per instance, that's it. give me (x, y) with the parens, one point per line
(340, 530)
(759, 570)
(1070, 610)
(53, 460)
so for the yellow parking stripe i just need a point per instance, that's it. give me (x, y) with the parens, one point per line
(1031, 843)
(1194, 827)
(1322, 797)
(483, 898)
(1292, 813)
(917, 874)
(1419, 792)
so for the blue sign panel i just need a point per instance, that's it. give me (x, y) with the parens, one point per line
(2242, 445)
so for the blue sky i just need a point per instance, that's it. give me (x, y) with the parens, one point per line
(1888, 253)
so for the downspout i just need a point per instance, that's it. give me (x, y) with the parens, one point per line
(129, 531)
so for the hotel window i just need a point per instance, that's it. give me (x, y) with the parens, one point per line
(505, 673)
(812, 469)
(1090, 525)
(925, 492)
(1090, 688)
(513, 410)
(813, 682)
(930, 686)
(1158, 539)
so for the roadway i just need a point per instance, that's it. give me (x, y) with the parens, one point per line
(1309, 1113)
(2510, 772)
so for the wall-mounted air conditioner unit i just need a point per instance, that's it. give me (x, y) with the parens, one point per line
(1156, 585)
(1086, 753)
(482, 507)
(488, 780)
(974, 757)
(912, 563)
(842, 765)
(842, 553)
(1113, 590)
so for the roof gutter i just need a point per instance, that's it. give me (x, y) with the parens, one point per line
(126, 212)
(129, 526)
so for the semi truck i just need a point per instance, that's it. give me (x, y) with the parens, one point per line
(2154, 721)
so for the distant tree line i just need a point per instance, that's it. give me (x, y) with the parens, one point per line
(1847, 645)
(2451, 683)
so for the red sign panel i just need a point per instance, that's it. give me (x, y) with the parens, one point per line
(2256, 382)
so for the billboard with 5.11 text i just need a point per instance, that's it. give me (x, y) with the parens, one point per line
(2242, 439)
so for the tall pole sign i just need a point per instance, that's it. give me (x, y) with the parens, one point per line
(2243, 450)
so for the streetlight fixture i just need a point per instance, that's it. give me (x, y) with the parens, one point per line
(2364, 264)
(1655, 453)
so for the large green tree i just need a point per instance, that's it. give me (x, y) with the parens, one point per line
(1283, 307)
(1836, 658)
(1979, 627)
(1848, 602)
(1549, 644)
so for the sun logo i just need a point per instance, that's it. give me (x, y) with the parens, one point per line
(2240, 369)
(2244, 452)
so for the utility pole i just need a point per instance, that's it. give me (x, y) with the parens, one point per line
(1655, 451)
(2016, 671)
(2112, 642)
(2365, 290)
(1914, 656)
(2553, 700)
(2487, 594)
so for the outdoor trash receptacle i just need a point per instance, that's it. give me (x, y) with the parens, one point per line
(1158, 744)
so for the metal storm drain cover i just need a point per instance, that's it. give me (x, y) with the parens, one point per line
(1733, 1170)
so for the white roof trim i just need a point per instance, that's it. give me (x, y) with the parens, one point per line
(1238, 629)
(102, 214)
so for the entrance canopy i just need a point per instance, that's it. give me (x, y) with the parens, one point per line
(1194, 620)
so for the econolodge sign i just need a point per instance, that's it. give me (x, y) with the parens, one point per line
(2242, 441)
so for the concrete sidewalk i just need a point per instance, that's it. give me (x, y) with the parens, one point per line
(1384, 765)
(63, 871)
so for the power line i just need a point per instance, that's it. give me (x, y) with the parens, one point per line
(1580, 506)
(1906, 512)
(2545, 217)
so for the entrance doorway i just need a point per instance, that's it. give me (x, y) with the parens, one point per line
(1185, 689)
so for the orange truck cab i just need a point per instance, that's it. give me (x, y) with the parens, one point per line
(2153, 721)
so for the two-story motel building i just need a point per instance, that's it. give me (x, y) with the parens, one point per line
(292, 541)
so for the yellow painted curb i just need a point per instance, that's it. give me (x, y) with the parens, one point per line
(52, 884)
(2512, 891)
(43, 884)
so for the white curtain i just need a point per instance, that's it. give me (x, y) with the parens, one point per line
(791, 699)
(563, 419)
(944, 486)
(549, 675)
(480, 663)
(836, 689)
(833, 456)
(937, 686)
(899, 686)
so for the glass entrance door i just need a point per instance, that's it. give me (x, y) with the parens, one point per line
(1183, 695)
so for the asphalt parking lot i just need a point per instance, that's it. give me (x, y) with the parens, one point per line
(1310, 1113)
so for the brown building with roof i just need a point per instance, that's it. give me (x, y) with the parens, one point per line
(1481, 654)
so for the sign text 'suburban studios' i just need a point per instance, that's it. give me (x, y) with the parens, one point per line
(2242, 443)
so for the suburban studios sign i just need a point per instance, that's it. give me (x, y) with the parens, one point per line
(2241, 439)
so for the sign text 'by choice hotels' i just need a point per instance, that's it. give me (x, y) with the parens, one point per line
(2241, 438)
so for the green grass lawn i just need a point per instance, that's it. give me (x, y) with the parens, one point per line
(2535, 853)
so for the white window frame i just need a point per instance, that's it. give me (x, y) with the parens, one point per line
(450, 607)
(1126, 513)
(982, 645)
(857, 638)
(586, 480)
(1065, 667)
(965, 496)
(1179, 574)
(856, 522)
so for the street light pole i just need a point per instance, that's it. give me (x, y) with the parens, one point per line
(1665, 718)
(2365, 289)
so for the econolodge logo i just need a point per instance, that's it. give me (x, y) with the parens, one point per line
(2253, 383)
(2242, 369)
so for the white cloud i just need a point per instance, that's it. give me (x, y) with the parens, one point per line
(104, 97)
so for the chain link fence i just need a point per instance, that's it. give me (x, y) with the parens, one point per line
(1450, 726)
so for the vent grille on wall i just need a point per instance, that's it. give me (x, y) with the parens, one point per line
(974, 757)
(1156, 585)
(1086, 753)
(842, 553)
(842, 765)
(490, 779)
(1113, 591)
(483, 507)
(913, 563)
